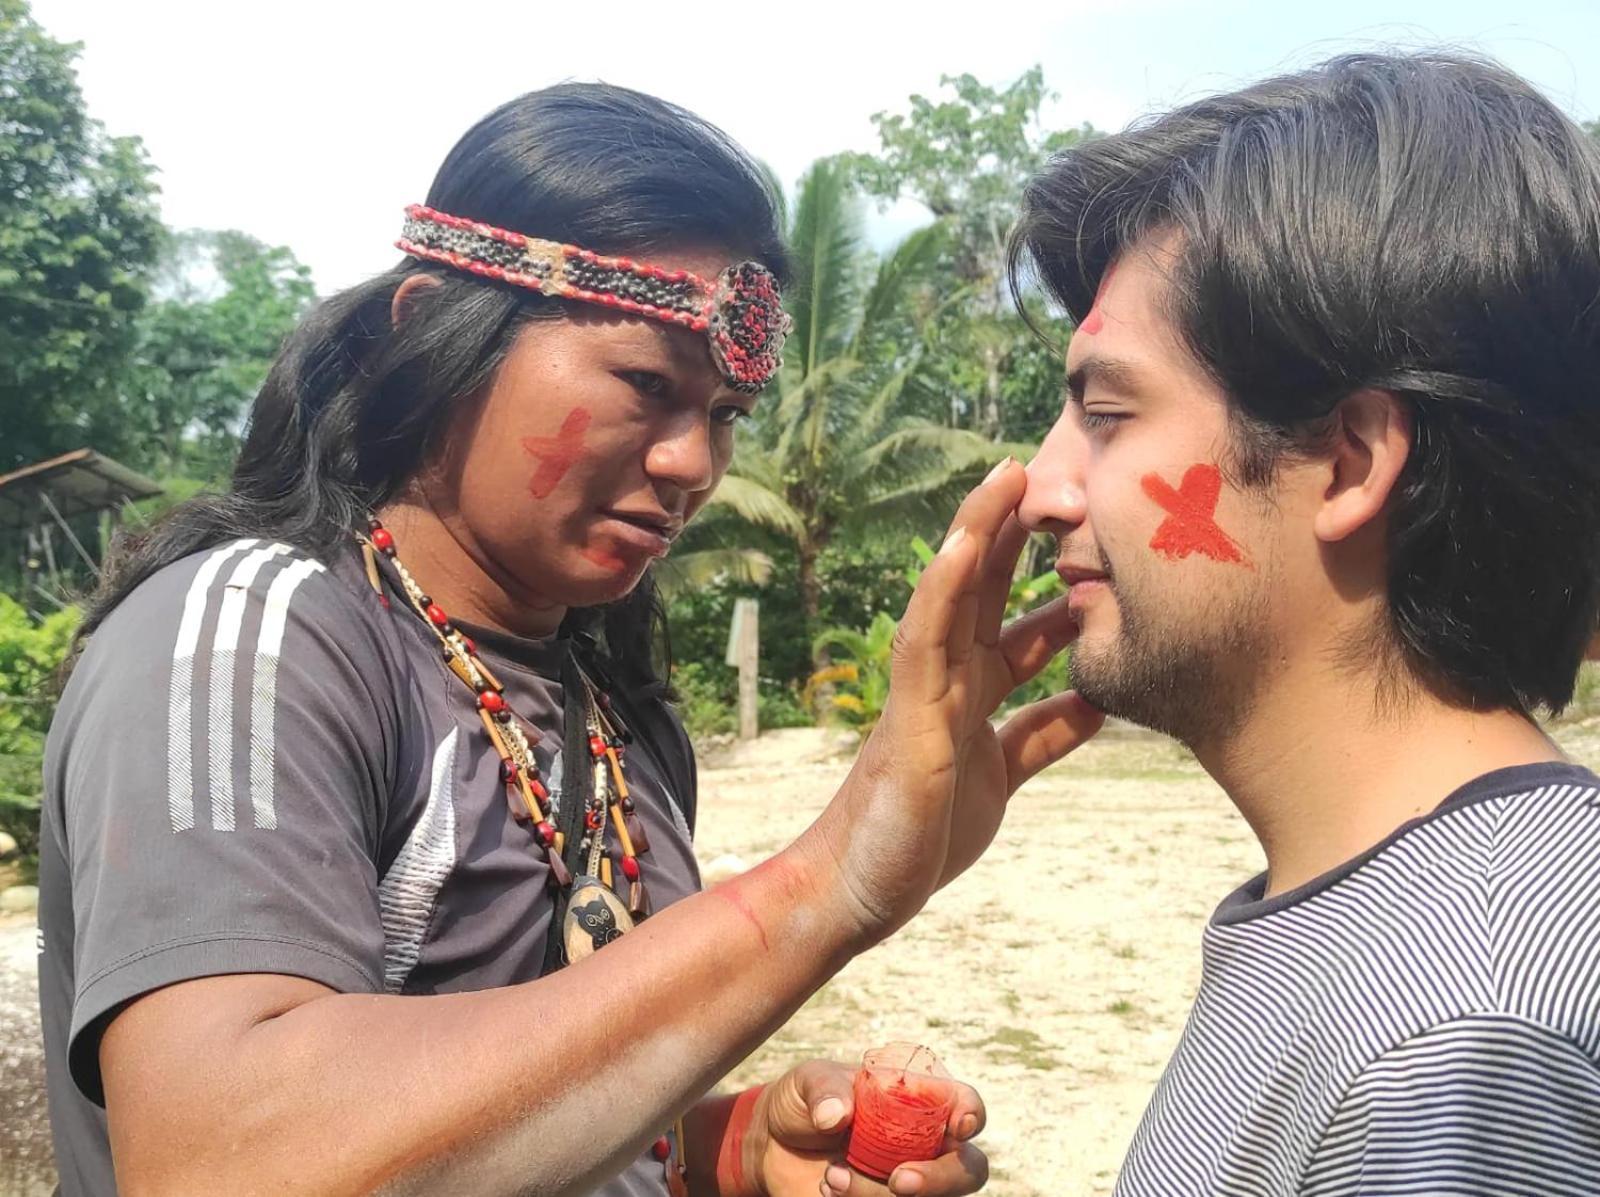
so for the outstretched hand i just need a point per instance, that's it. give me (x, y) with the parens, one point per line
(928, 791)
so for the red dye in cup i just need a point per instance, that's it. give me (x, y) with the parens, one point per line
(903, 1101)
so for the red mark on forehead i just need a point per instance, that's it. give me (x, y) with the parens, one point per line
(1095, 320)
(556, 454)
(1191, 526)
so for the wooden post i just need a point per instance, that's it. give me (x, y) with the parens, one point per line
(744, 651)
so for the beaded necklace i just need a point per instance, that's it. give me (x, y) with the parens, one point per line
(594, 914)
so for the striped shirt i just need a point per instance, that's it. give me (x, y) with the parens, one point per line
(1423, 1020)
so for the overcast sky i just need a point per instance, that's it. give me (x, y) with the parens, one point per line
(313, 124)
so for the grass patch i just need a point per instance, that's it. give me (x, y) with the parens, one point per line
(1017, 1045)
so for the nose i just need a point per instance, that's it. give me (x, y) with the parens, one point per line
(1054, 499)
(683, 455)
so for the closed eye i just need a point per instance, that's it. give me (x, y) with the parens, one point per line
(1100, 419)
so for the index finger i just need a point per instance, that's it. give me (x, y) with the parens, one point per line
(941, 615)
(994, 585)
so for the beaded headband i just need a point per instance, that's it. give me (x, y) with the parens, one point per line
(740, 311)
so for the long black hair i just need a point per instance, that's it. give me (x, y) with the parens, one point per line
(1426, 224)
(353, 403)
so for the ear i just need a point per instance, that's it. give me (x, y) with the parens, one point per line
(1370, 443)
(407, 294)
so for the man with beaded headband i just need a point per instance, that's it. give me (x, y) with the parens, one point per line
(366, 855)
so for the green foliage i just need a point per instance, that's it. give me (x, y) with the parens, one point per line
(833, 452)
(78, 235)
(30, 658)
(707, 699)
(859, 677)
(781, 706)
(205, 346)
(967, 157)
(857, 576)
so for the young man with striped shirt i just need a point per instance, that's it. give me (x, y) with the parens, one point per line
(1327, 492)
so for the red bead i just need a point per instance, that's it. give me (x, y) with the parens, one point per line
(546, 834)
(508, 771)
(538, 789)
(436, 615)
(662, 1149)
(491, 702)
(594, 820)
(597, 746)
(383, 540)
(466, 642)
(630, 868)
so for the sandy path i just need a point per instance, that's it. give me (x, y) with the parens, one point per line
(1062, 1006)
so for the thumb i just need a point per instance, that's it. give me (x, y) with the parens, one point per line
(1044, 732)
(810, 1106)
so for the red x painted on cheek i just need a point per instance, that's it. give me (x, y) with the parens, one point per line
(556, 454)
(1191, 525)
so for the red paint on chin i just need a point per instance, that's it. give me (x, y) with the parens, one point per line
(1191, 526)
(605, 559)
(556, 454)
(1095, 320)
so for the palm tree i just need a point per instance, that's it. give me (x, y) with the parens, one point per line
(832, 449)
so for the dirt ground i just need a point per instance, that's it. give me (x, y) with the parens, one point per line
(1061, 1007)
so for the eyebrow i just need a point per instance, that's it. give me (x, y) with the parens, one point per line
(1113, 374)
(692, 357)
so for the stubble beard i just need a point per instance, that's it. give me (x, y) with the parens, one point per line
(1195, 681)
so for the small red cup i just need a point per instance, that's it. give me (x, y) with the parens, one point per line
(903, 1100)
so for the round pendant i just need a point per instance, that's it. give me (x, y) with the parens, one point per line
(595, 916)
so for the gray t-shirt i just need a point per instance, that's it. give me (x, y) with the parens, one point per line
(257, 767)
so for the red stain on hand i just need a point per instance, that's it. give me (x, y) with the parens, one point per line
(556, 454)
(1191, 526)
(1095, 320)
